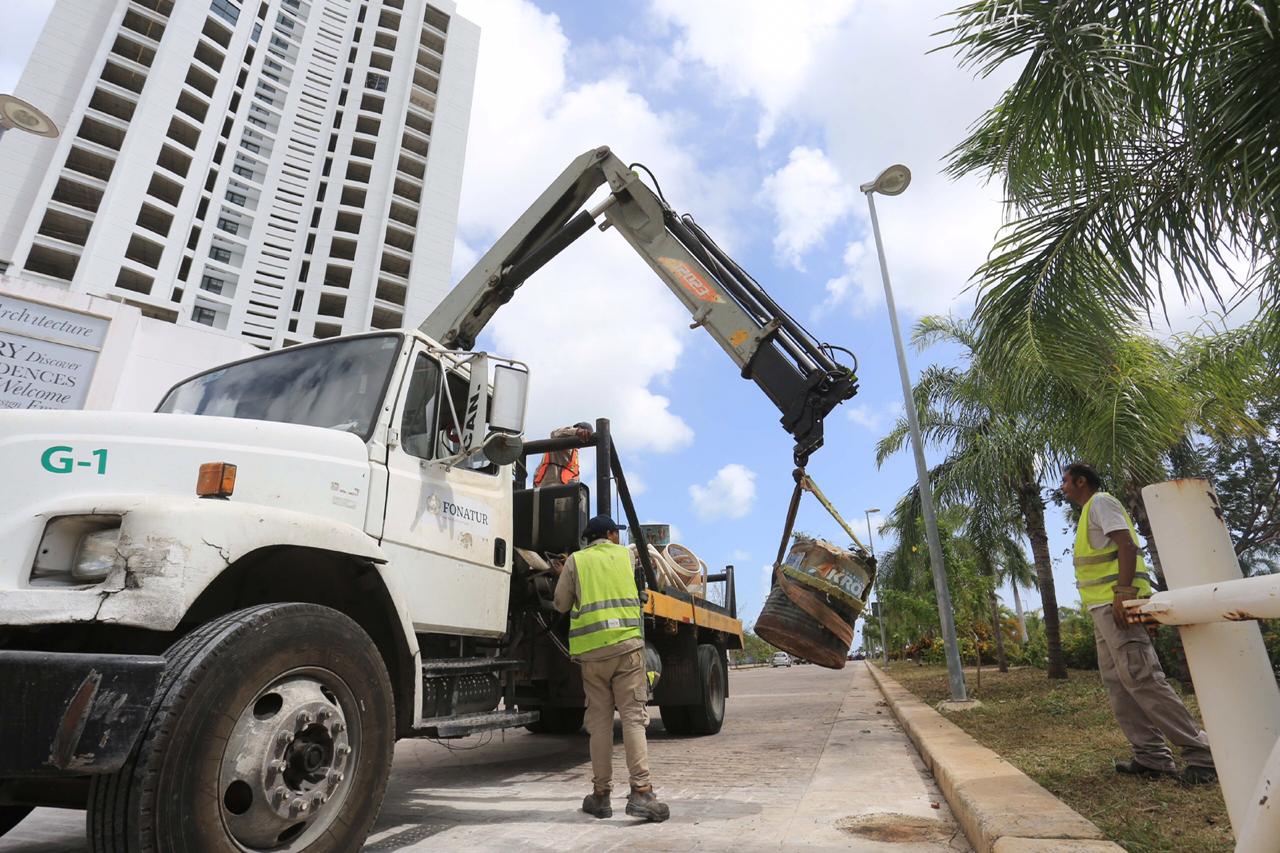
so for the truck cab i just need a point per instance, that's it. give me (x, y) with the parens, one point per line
(339, 518)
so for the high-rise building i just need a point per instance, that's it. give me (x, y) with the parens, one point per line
(281, 169)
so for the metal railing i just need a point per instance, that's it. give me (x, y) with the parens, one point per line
(1215, 606)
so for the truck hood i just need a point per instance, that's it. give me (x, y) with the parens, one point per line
(76, 462)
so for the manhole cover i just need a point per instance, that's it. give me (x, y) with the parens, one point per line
(896, 828)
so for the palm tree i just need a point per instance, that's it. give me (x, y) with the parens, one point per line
(1137, 150)
(1018, 572)
(997, 446)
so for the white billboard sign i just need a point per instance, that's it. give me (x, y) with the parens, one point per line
(47, 354)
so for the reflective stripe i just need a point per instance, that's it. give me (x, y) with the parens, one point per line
(1096, 559)
(604, 626)
(1143, 576)
(604, 605)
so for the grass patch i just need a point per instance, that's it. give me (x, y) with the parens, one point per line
(1062, 734)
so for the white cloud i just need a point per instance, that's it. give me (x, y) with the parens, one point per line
(887, 100)
(739, 556)
(757, 48)
(729, 494)
(808, 197)
(874, 417)
(593, 325)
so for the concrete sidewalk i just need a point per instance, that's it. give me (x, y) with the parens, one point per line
(808, 759)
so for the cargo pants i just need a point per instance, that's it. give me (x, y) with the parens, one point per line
(617, 682)
(1145, 706)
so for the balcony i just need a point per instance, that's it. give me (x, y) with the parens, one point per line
(88, 162)
(68, 227)
(52, 260)
(111, 102)
(385, 318)
(107, 135)
(115, 72)
(84, 195)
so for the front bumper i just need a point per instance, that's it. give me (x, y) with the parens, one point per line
(70, 714)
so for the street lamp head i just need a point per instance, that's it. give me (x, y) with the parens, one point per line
(17, 113)
(873, 509)
(891, 181)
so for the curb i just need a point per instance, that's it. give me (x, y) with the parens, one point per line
(999, 807)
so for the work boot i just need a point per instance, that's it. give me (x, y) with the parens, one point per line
(1133, 768)
(644, 803)
(597, 804)
(1195, 774)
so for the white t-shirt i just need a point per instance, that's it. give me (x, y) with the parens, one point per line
(1106, 515)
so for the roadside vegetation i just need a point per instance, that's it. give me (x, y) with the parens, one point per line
(1137, 150)
(1062, 735)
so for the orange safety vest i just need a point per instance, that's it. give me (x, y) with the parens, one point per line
(568, 473)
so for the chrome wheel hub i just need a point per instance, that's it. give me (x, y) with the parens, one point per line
(284, 771)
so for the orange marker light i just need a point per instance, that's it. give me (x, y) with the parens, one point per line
(217, 480)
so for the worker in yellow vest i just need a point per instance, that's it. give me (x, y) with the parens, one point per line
(1109, 571)
(597, 587)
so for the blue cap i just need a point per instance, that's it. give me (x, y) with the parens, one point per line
(600, 525)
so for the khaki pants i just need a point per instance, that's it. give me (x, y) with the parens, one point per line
(1145, 706)
(617, 682)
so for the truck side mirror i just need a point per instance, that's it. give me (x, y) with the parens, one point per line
(492, 421)
(504, 443)
(510, 396)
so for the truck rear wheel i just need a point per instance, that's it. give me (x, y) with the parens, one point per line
(707, 716)
(273, 729)
(557, 721)
(11, 816)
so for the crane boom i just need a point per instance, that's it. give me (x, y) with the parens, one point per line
(798, 374)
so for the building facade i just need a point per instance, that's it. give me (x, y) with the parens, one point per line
(282, 170)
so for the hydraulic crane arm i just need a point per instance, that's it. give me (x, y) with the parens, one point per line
(800, 375)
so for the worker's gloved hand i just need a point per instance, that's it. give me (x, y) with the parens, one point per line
(1119, 596)
(644, 596)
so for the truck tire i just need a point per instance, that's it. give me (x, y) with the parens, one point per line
(707, 716)
(557, 721)
(290, 708)
(11, 816)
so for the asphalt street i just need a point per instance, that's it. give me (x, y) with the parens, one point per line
(808, 758)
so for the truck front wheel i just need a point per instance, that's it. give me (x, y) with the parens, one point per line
(273, 729)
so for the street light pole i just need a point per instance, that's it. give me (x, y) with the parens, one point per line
(891, 182)
(879, 611)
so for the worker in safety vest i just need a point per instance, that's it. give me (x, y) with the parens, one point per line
(597, 587)
(1110, 571)
(561, 466)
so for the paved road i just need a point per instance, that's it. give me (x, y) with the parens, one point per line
(808, 759)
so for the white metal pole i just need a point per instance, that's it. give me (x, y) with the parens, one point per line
(1235, 685)
(946, 615)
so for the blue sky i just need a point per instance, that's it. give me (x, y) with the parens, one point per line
(760, 120)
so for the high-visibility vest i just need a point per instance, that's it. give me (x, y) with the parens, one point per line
(568, 472)
(1098, 569)
(608, 611)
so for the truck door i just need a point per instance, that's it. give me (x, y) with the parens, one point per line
(448, 529)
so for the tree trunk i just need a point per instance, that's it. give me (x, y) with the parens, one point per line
(1032, 507)
(1001, 661)
(989, 571)
(1022, 617)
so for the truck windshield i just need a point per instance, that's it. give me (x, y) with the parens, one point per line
(336, 385)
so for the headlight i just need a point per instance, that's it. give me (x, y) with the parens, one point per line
(96, 556)
(77, 549)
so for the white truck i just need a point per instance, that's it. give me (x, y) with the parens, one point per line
(217, 619)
